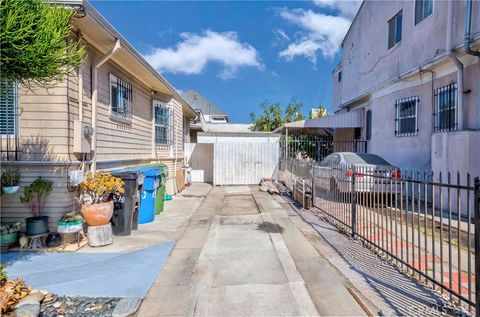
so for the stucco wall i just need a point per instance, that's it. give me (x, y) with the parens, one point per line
(414, 151)
(367, 61)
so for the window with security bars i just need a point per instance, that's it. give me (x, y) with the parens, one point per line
(163, 115)
(8, 107)
(121, 96)
(445, 114)
(406, 116)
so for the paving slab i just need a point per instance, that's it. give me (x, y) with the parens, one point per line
(241, 255)
(169, 225)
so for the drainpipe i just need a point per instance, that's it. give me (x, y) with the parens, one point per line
(95, 101)
(458, 64)
(80, 93)
(468, 26)
(80, 88)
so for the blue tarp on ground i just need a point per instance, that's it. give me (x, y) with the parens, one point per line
(90, 274)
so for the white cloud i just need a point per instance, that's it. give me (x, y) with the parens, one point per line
(281, 34)
(346, 8)
(321, 33)
(306, 47)
(195, 51)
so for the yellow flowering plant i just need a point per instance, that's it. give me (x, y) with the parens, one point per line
(98, 187)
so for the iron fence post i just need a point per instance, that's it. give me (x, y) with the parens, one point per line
(354, 205)
(313, 184)
(477, 245)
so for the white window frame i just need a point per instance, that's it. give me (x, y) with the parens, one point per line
(399, 117)
(125, 117)
(169, 128)
(16, 114)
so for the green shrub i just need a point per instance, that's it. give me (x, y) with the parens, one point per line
(35, 195)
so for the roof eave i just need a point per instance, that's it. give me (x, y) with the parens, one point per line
(91, 11)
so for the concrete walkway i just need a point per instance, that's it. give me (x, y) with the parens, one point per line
(240, 255)
(167, 226)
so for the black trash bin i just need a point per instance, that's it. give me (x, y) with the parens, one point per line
(137, 202)
(124, 206)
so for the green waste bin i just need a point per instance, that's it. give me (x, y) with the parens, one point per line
(161, 188)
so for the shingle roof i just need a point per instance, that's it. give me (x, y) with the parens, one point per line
(200, 103)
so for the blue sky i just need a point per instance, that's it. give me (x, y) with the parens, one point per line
(239, 54)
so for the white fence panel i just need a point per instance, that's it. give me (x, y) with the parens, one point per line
(200, 158)
(244, 163)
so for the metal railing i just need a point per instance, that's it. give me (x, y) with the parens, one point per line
(426, 225)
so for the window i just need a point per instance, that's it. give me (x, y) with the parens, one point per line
(368, 132)
(339, 76)
(406, 116)
(8, 107)
(445, 115)
(121, 95)
(163, 116)
(423, 8)
(395, 30)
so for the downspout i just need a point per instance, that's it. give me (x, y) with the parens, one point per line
(80, 88)
(95, 101)
(80, 93)
(468, 26)
(458, 64)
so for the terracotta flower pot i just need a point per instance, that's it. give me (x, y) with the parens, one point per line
(98, 214)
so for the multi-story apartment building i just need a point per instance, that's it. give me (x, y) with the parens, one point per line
(410, 70)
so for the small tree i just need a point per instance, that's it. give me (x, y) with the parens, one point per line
(34, 42)
(318, 112)
(293, 111)
(271, 118)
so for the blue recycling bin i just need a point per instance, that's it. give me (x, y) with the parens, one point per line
(149, 194)
(151, 181)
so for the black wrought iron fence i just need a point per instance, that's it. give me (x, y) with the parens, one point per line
(426, 224)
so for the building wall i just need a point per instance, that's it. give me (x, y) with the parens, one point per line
(367, 62)
(46, 136)
(374, 77)
(60, 201)
(415, 151)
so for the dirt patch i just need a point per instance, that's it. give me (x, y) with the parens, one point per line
(238, 205)
(269, 227)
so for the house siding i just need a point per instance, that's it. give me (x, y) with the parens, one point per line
(46, 135)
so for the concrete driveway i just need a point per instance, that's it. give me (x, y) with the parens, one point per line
(240, 255)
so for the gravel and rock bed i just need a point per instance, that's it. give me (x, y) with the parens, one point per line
(66, 306)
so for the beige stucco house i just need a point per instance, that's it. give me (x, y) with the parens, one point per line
(130, 113)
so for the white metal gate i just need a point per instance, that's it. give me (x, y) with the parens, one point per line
(244, 163)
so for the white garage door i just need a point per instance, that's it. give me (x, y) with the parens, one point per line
(244, 163)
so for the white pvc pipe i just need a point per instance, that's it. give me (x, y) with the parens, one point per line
(80, 93)
(95, 101)
(458, 64)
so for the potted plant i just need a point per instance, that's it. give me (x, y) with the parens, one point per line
(96, 194)
(34, 197)
(9, 180)
(9, 234)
